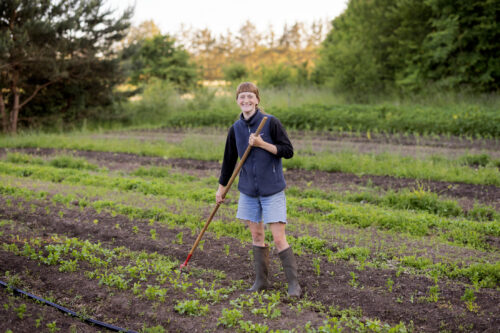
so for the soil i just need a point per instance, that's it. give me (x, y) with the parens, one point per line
(332, 287)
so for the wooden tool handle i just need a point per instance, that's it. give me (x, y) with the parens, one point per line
(228, 186)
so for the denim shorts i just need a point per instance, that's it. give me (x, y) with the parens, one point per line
(268, 209)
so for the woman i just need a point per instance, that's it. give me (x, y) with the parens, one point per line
(261, 184)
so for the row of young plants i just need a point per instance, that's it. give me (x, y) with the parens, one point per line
(151, 276)
(459, 231)
(209, 199)
(419, 199)
(205, 194)
(430, 168)
(485, 171)
(473, 121)
(483, 274)
(59, 161)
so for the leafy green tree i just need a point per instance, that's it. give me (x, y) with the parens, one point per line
(351, 58)
(235, 72)
(47, 43)
(462, 48)
(276, 76)
(301, 76)
(379, 46)
(159, 57)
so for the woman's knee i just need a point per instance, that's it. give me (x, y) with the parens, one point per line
(257, 231)
(279, 236)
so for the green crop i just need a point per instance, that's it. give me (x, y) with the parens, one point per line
(191, 308)
(230, 318)
(20, 311)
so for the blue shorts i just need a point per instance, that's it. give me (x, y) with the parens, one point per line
(268, 209)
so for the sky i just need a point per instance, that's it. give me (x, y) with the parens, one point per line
(220, 15)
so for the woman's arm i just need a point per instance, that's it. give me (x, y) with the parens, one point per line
(228, 164)
(282, 147)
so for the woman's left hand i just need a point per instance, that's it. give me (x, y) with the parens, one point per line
(255, 140)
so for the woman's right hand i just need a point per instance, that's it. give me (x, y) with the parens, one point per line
(218, 195)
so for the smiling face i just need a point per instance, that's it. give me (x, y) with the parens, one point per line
(247, 101)
(247, 97)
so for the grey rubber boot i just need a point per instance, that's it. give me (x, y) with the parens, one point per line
(261, 265)
(290, 267)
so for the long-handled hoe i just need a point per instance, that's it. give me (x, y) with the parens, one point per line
(231, 180)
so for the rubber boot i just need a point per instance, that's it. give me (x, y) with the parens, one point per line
(261, 265)
(290, 267)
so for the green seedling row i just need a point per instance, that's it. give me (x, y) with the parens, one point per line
(489, 228)
(418, 199)
(482, 274)
(431, 168)
(362, 208)
(459, 231)
(151, 276)
(60, 161)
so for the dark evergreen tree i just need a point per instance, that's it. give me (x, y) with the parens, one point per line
(45, 43)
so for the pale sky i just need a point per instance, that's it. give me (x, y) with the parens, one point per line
(220, 15)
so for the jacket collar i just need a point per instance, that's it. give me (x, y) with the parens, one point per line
(253, 119)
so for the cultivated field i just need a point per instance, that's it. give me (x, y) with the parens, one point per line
(392, 233)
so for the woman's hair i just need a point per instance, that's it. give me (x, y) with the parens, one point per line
(249, 87)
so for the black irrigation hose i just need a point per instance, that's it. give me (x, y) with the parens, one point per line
(65, 310)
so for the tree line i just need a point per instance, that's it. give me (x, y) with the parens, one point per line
(60, 60)
(408, 45)
(289, 55)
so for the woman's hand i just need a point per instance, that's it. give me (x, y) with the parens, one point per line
(218, 195)
(255, 140)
